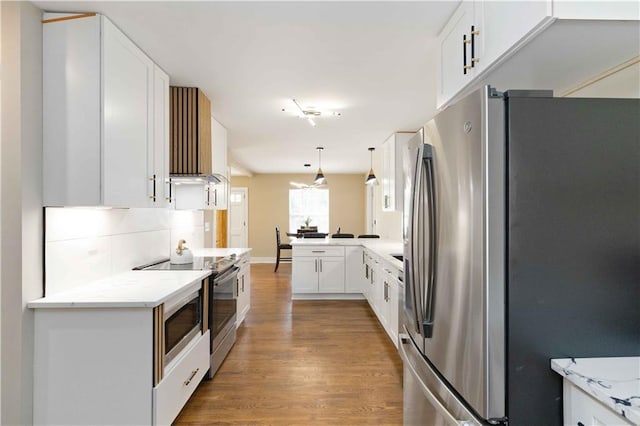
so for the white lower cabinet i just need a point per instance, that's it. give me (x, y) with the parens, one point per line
(318, 270)
(389, 303)
(582, 409)
(325, 271)
(243, 289)
(96, 366)
(170, 395)
(354, 273)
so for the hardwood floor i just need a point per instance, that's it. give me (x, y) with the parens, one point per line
(302, 363)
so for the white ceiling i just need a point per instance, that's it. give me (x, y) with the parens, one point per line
(372, 61)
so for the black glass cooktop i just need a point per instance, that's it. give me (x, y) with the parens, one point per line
(216, 264)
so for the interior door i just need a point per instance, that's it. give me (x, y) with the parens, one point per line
(238, 217)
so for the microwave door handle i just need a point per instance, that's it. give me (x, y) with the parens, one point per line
(428, 214)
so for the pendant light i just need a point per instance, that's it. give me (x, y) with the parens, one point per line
(371, 178)
(320, 179)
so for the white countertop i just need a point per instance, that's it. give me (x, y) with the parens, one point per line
(220, 251)
(613, 381)
(132, 289)
(383, 248)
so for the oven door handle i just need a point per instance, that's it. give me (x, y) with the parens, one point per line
(218, 278)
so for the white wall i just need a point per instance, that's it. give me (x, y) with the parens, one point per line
(88, 244)
(622, 81)
(21, 201)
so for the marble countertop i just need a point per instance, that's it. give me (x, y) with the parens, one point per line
(132, 289)
(613, 381)
(382, 247)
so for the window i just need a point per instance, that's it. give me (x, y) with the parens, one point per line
(310, 203)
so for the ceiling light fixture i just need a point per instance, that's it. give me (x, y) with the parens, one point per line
(371, 178)
(303, 113)
(320, 179)
(310, 112)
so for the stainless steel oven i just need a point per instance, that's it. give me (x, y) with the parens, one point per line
(222, 315)
(182, 322)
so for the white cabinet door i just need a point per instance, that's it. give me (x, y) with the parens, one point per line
(375, 289)
(159, 154)
(127, 79)
(502, 25)
(244, 291)
(304, 273)
(193, 196)
(71, 112)
(388, 180)
(454, 69)
(392, 309)
(331, 274)
(100, 116)
(393, 172)
(219, 147)
(354, 270)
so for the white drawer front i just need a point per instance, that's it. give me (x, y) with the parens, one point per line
(176, 387)
(318, 251)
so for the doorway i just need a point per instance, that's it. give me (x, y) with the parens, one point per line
(238, 217)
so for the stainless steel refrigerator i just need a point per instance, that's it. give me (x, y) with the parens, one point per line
(521, 244)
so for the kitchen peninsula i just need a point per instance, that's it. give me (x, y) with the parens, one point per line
(346, 269)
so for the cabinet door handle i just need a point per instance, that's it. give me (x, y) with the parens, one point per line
(317, 251)
(215, 195)
(316, 263)
(169, 197)
(208, 199)
(474, 33)
(243, 283)
(464, 54)
(320, 265)
(193, 374)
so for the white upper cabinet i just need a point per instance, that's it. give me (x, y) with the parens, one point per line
(99, 108)
(556, 42)
(392, 171)
(219, 153)
(160, 186)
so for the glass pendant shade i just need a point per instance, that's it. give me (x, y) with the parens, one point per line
(371, 178)
(320, 179)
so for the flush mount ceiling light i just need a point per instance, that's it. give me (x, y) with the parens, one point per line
(320, 179)
(371, 178)
(309, 112)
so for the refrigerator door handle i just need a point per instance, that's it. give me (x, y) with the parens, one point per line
(413, 274)
(428, 207)
(451, 419)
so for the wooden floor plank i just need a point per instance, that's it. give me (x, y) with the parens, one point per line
(302, 363)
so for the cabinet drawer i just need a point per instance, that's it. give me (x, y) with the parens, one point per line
(177, 386)
(318, 251)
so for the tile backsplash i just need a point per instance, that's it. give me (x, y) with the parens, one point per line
(87, 244)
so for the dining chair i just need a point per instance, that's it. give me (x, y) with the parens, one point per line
(281, 246)
(368, 236)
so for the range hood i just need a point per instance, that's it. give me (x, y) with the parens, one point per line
(195, 179)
